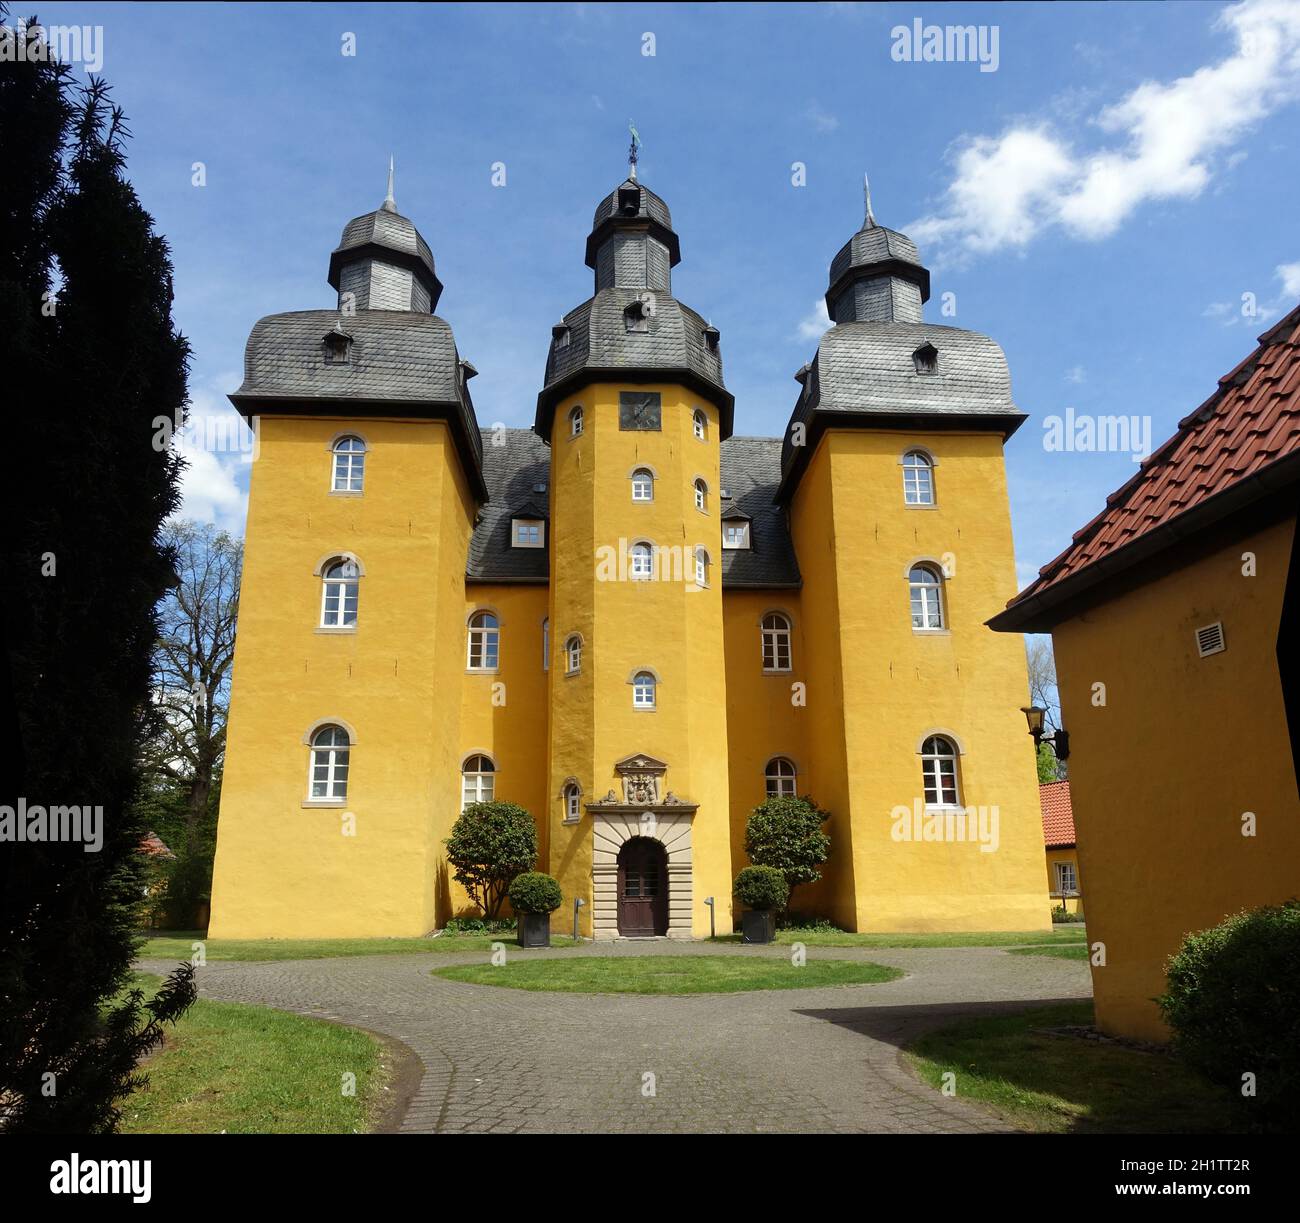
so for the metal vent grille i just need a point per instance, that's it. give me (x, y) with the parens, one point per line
(1209, 640)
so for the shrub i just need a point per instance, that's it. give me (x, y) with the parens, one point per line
(489, 845)
(480, 925)
(535, 892)
(762, 887)
(1060, 914)
(786, 833)
(1233, 1003)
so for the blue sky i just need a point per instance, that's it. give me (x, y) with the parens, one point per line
(1099, 204)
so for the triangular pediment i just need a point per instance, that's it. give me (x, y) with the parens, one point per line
(640, 763)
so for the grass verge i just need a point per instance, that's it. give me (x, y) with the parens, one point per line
(178, 945)
(1071, 951)
(664, 974)
(997, 938)
(1058, 1084)
(227, 1067)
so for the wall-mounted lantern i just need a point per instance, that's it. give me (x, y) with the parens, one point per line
(1060, 741)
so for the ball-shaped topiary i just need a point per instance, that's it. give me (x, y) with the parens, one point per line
(1233, 1002)
(535, 892)
(762, 887)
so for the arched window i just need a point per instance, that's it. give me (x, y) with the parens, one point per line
(918, 478)
(478, 778)
(643, 485)
(701, 495)
(546, 643)
(349, 464)
(700, 423)
(573, 655)
(484, 642)
(642, 560)
(575, 421)
(926, 588)
(701, 567)
(776, 642)
(780, 778)
(643, 690)
(939, 772)
(572, 800)
(339, 597)
(330, 752)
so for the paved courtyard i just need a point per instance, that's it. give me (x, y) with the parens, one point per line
(818, 1060)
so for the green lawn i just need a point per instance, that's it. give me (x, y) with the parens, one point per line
(1071, 951)
(1001, 938)
(664, 974)
(178, 946)
(1055, 1084)
(251, 1070)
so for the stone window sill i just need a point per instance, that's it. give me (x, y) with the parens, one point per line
(324, 802)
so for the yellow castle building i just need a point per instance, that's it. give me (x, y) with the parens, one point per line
(627, 619)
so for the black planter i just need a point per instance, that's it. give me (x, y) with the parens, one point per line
(758, 926)
(534, 929)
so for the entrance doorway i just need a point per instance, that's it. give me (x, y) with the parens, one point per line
(642, 888)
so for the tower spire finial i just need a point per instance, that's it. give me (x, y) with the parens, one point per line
(632, 150)
(390, 204)
(866, 197)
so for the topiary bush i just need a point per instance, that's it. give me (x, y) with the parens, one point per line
(762, 887)
(786, 832)
(1233, 1002)
(490, 844)
(535, 892)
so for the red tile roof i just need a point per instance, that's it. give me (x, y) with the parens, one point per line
(1232, 444)
(153, 845)
(1058, 814)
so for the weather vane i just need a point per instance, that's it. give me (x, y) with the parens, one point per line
(632, 149)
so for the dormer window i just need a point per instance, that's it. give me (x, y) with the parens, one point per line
(560, 335)
(926, 359)
(629, 200)
(735, 534)
(636, 315)
(337, 347)
(712, 336)
(527, 533)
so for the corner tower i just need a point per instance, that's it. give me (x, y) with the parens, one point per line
(892, 474)
(634, 409)
(343, 749)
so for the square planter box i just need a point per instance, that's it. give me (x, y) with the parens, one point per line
(534, 929)
(758, 926)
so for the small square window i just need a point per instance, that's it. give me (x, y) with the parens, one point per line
(528, 533)
(735, 535)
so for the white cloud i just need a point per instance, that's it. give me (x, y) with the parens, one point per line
(1289, 275)
(216, 445)
(821, 119)
(816, 323)
(1076, 373)
(1165, 137)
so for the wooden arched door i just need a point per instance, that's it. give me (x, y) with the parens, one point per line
(642, 888)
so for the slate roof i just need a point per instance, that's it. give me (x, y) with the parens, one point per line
(599, 342)
(1241, 444)
(873, 244)
(751, 467)
(751, 471)
(865, 370)
(651, 206)
(390, 230)
(1058, 814)
(510, 471)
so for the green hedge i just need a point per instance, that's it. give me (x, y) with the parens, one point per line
(1233, 1002)
(762, 887)
(535, 892)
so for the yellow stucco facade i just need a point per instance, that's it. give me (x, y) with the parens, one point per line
(604, 761)
(1162, 784)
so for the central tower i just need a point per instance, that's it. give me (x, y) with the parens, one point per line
(634, 409)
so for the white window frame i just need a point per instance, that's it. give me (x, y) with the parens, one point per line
(777, 643)
(528, 533)
(645, 690)
(918, 490)
(780, 777)
(1061, 869)
(700, 425)
(740, 526)
(572, 803)
(572, 654)
(939, 773)
(479, 784)
(576, 420)
(702, 563)
(925, 598)
(348, 464)
(641, 561)
(701, 496)
(643, 485)
(484, 641)
(546, 643)
(341, 589)
(329, 764)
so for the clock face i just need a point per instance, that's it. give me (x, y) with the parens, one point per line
(639, 410)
